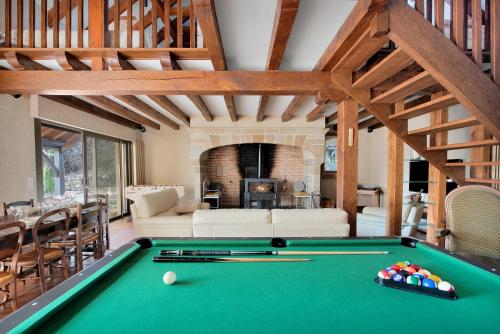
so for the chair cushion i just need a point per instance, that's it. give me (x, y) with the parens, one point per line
(151, 204)
(232, 216)
(375, 211)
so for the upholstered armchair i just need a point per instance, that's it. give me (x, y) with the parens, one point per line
(473, 221)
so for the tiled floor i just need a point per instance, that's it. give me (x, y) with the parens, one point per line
(121, 231)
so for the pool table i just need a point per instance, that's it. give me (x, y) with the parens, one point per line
(124, 292)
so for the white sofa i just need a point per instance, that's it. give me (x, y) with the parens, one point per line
(162, 213)
(371, 222)
(310, 223)
(232, 223)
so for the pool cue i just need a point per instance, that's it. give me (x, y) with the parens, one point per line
(224, 259)
(181, 252)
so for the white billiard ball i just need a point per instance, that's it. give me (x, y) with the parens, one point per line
(169, 278)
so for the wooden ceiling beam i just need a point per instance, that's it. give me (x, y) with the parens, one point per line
(284, 17)
(207, 18)
(165, 82)
(119, 63)
(145, 108)
(70, 63)
(353, 28)
(73, 102)
(326, 96)
(368, 123)
(89, 53)
(169, 63)
(317, 112)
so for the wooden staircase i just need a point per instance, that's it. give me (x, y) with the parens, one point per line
(445, 70)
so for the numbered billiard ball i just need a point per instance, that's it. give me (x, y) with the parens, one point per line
(445, 286)
(396, 267)
(410, 270)
(419, 275)
(384, 274)
(415, 266)
(435, 278)
(424, 272)
(413, 280)
(428, 283)
(398, 278)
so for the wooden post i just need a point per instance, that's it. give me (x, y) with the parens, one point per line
(395, 158)
(97, 29)
(437, 180)
(347, 166)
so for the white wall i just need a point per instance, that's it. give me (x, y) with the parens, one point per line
(17, 140)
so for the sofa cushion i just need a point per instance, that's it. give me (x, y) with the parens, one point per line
(186, 206)
(232, 216)
(151, 204)
(303, 216)
(375, 211)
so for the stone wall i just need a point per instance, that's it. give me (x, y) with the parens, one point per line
(222, 166)
(310, 141)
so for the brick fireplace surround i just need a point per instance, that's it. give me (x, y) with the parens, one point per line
(310, 141)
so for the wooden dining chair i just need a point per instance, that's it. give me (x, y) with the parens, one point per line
(6, 206)
(8, 277)
(50, 227)
(88, 233)
(104, 199)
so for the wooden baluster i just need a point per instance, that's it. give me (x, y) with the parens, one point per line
(19, 12)
(419, 5)
(166, 22)
(439, 14)
(179, 24)
(154, 22)
(116, 25)
(129, 23)
(192, 26)
(428, 10)
(43, 23)
(67, 41)
(477, 31)
(80, 23)
(55, 25)
(487, 26)
(31, 23)
(495, 40)
(141, 23)
(8, 24)
(459, 15)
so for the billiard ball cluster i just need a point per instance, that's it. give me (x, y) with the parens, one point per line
(413, 274)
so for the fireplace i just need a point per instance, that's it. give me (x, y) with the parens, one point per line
(260, 193)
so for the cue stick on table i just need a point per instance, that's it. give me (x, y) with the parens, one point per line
(238, 252)
(225, 259)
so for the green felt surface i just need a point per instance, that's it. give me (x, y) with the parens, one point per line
(330, 294)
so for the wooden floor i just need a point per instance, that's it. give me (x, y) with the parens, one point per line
(121, 231)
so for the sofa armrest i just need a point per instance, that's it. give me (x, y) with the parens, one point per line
(203, 206)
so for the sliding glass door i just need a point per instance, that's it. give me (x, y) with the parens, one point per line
(104, 171)
(80, 165)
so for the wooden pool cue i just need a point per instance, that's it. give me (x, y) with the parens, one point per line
(181, 252)
(225, 259)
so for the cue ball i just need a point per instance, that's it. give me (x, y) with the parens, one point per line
(169, 278)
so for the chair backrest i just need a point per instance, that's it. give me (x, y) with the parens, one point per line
(6, 206)
(104, 200)
(90, 218)
(14, 254)
(57, 222)
(473, 217)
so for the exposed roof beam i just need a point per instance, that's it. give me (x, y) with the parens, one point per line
(165, 82)
(326, 96)
(62, 13)
(356, 24)
(284, 17)
(145, 108)
(317, 112)
(73, 102)
(70, 63)
(207, 18)
(169, 63)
